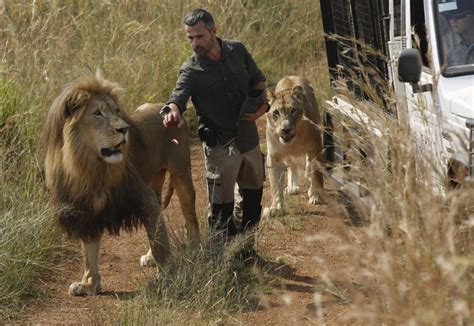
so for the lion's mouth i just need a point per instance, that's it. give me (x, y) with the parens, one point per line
(286, 137)
(107, 152)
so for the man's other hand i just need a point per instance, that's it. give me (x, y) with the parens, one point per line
(254, 116)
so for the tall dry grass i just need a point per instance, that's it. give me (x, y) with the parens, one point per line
(411, 261)
(140, 45)
(208, 286)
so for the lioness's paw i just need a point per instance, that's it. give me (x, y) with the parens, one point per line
(274, 211)
(147, 261)
(292, 190)
(80, 289)
(315, 200)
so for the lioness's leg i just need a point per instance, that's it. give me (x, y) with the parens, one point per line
(183, 184)
(276, 170)
(316, 180)
(90, 284)
(155, 229)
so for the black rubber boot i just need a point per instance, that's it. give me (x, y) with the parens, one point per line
(220, 221)
(251, 208)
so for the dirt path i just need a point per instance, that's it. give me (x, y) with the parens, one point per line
(286, 239)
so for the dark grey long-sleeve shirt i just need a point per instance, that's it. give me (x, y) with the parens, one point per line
(218, 89)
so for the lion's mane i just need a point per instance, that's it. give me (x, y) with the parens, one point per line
(90, 194)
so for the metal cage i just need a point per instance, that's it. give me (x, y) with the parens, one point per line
(356, 43)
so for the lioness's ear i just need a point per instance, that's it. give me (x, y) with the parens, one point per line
(270, 96)
(298, 92)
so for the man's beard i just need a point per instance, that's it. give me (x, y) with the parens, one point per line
(203, 50)
(200, 50)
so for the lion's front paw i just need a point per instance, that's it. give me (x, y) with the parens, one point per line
(80, 289)
(315, 200)
(292, 190)
(147, 260)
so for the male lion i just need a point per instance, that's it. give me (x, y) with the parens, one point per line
(293, 130)
(105, 171)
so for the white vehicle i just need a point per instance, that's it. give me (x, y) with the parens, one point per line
(429, 66)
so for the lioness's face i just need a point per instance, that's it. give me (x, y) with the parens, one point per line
(284, 116)
(103, 129)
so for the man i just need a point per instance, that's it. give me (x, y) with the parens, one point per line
(224, 83)
(459, 41)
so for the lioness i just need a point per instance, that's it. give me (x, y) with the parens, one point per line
(293, 130)
(105, 171)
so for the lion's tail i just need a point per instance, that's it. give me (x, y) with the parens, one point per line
(169, 193)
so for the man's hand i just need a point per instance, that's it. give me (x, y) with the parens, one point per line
(173, 117)
(254, 116)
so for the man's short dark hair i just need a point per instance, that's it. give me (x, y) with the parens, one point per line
(199, 15)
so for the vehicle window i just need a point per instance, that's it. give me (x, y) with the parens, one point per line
(456, 34)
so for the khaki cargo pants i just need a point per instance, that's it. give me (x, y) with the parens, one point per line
(226, 166)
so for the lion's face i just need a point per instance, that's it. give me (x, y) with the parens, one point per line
(286, 112)
(102, 128)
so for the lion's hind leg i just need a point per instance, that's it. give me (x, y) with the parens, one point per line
(147, 260)
(183, 184)
(90, 284)
(157, 184)
(156, 230)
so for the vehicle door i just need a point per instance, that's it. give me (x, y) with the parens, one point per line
(422, 113)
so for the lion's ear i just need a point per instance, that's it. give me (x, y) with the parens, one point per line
(270, 96)
(74, 99)
(298, 92)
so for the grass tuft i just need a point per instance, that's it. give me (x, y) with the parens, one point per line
(201, 286)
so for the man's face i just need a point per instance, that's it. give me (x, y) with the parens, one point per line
(201, 39)
(463, 22)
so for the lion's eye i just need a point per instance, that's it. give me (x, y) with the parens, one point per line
(276, 114)
(294, 112)
(98, 113)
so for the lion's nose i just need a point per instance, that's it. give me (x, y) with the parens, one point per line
(286, 130)
(122, 130)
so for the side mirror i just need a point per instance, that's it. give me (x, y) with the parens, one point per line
(409, 66)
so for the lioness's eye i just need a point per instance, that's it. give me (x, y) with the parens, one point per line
(98, 113)
(276, 114)
(294, 111)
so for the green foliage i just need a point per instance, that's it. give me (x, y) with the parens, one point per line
(28, 246)
(9, 102)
